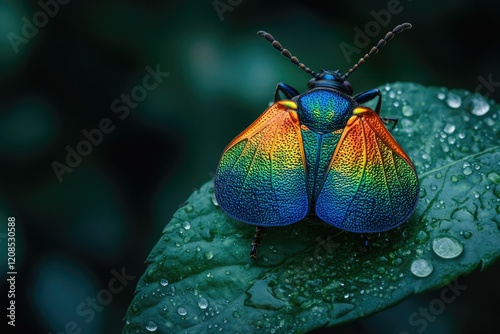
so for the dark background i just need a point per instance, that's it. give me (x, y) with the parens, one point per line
(108, 213)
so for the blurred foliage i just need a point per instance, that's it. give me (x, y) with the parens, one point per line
(64, 76)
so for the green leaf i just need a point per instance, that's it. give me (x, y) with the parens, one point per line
(200, 277)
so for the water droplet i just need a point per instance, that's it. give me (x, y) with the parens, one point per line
(441, 95)
(445, 224)
(396, 104)
(151, 326)
(186, 225)
(439, 175)
(236, 314)
(209, 255)
(188, 208)
(449, 128)
(467, 235)
(477, 105)
(182, 311)
(493, 177)
(422, 237)
(453, 100)
(454, 178)
(392, 94)
(421, 268)
(203, 303)
(447, 247)
(467, 171)
(397, 261)
(407, 111)
(164, 282)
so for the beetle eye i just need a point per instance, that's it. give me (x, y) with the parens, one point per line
(348, 86)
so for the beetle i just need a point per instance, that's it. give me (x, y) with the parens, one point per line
(320, 153)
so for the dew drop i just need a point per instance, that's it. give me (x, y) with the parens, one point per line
(422, 237)
(186, 225)
(164, 282)
(397, 261)
(209, 255)
(182, 311)
(449, 128)
(447, 247)
(407, 111)
(151, 326)
(421, 268)
(496, 190)
(478, 106)
(236, 314)
(493, 177)
(467, 235)
(467, 171)
(203, 303)
(396, 104)
(392, 94)
(441, 95)
(453, 100)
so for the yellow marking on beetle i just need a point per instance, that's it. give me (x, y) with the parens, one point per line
(289, 104)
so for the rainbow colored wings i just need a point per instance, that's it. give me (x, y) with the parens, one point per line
(261, 176)
(371, 185)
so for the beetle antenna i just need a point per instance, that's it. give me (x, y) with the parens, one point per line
(390, 35)
(277, 45)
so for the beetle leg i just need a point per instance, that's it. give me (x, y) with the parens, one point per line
(366, 242)
(287, 91)
(370, 95)
(394, 121)
(259, 232)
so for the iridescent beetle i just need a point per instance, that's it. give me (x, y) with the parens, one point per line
(319, 153)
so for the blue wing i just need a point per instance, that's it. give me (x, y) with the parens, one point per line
(371, 185)
(261, 177)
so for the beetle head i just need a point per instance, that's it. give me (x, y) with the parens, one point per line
(331, 79)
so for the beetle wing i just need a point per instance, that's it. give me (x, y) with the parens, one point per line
(371, 184)
(261, 177)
